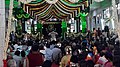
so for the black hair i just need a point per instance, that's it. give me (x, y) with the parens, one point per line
(48, 45)
(23, 53)
(109, 56)
(83, 63)
(116, 61)
(90, 63)
(35, 48)
(102, 54)
(56, 46)
(17, 53)
(74, 59)
(53, 42)
(41, 47)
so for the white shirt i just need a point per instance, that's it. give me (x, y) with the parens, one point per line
(52, 46)
(48, 54)
(55, 51)
(17, 59)
(11, 63)
(15, 46)
(53, 35)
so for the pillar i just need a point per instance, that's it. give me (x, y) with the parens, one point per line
(2, 30)
(115, 17)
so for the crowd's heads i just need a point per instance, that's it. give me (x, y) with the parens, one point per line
(9, 56)
(109, 56)
(102, 53)
(35, 48)
(53, 42)
(47, 45)
(23, 53)
(17, 53)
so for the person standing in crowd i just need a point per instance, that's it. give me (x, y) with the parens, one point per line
(65, 61)
(94, 32)
(98, 32)
(10, 61)
(109, 58)
(34, 58)
(53, 35)
(17, 58)
(52, 44)
(23, 55)
(48, 56)
(12, 36)
(57, 55)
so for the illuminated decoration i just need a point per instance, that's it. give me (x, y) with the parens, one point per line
(39, 27)
(99, 0)
(61, 9)
(19, 14)
(83, 21)
(64, 28)
(26, 1)
(51, 1)
(64, 24)
(74, 1)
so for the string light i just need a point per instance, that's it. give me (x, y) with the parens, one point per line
(99, 0)
(26, 1)
(51, 1)
(74, 1)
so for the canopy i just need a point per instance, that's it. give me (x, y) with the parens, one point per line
(59, 9)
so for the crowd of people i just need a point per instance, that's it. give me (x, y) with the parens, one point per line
(91, 49)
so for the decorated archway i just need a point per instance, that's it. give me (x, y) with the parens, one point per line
(45, 10)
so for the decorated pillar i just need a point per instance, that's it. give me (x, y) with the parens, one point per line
(64, 29)
(2, 31)
(115, 17)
